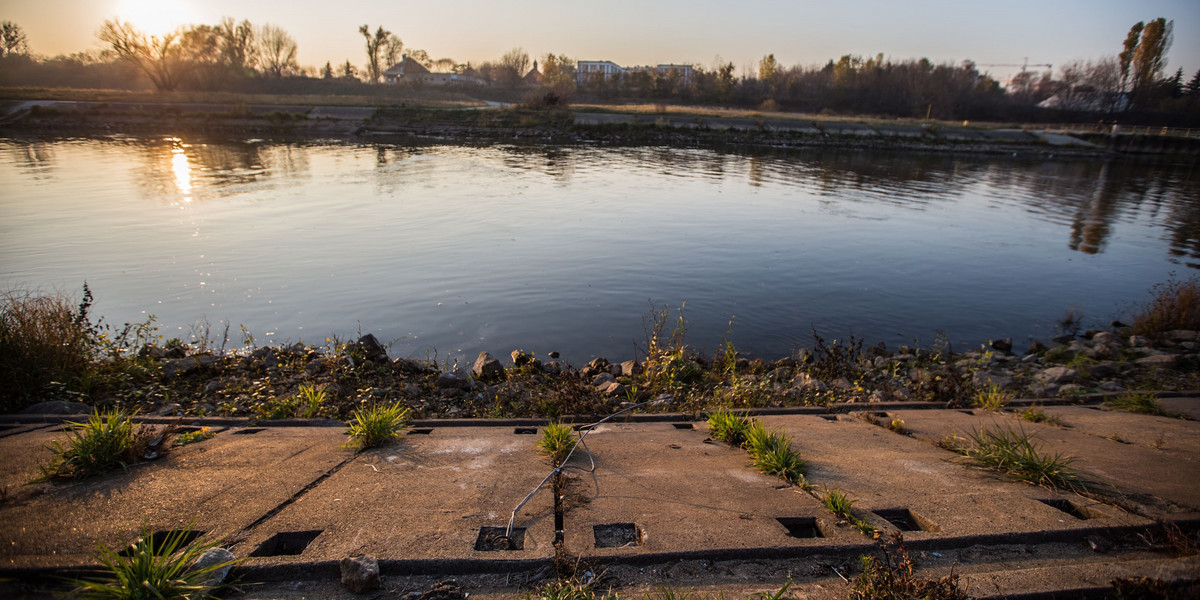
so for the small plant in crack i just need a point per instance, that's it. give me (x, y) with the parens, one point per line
(1144, 403)
(105, 441)
(892, 576)
(1036, 414)
(556, 442)
(728, 427)
(838, 503)
(163, 569)
(992, 398)
(897, 425)
(377, 426)
(1018, 455)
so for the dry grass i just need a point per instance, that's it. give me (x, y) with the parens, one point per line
(43, 339)
(1175, 305)
(91, 95)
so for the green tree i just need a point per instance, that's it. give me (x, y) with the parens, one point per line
(375, 46)
(558, 75)
(327, 71)
(1193, 87)
(12, 40)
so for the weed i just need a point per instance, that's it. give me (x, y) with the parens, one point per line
(728, 427)
(892, 577)
(1070, 322)
(154, 569)
(779, 594)
(192, 437)
(42, 340)
(838, 503)
(863, 527)
(991, 398)
(1015, 453)
(896, 425)
(1035, 414)
(310, 400)
(1145, 403)
(104, 441)
(377, 425)
(839, 359)
(772, 453)
(557, 440)
(1175, 305)
(562, 589)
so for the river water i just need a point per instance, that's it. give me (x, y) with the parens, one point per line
(449, 250)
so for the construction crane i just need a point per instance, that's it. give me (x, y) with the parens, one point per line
(1024, 65)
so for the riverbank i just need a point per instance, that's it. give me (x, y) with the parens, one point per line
(587, 125)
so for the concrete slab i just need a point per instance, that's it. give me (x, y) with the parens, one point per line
(1160, 482)
(342, 113)
(956, 134)
(886, 471)
(225, 483)
(603, 119)
(1060, 139)
(425, 497)
(1008, 135)
(901, 131)
(801, 127)
(683, 493)
(848, 129)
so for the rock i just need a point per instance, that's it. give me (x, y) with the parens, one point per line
(450, 380)
(1162, 361)
(603, 379)
(1030, 359)
(360, 574)
(1037, 347)
(488, 368)
(409, 365)
(594, 367)
(57, 407)
(1071, 389)
(613, 388)
(520, 357)
(902, 349)
(1108, 338)
(219, 560)
(1001, 380)
(553, 355)
(1063, 339)
(169, 410)
(191, 364)
(631, 368)
(1003, 345)
(553, 367)
(779, 375)
(371, 348)
(805, 382)
(315, 366)
(1042, 390)
(1057, 376)
(1181, 335)
(1138, 341)
(1110, 386)
(1102, 370)
(804, 356)
(445, 590)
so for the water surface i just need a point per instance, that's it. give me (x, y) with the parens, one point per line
(457, 249)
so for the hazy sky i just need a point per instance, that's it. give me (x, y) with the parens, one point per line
(656, 31)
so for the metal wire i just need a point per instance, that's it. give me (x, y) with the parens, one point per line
(582, 432)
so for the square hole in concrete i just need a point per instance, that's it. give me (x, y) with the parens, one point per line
(492, 539)
(286, 543)
(683, 426)
(1082, 513)
(158, 540)
(617, 535)
(251, 431)
(525, 431)
(802, 527)
(905, 519)
(420, 431)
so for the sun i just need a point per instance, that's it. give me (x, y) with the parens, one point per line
(155, 17)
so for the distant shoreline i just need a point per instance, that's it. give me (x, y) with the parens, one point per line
(563, 126)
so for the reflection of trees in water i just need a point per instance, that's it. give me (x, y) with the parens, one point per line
(216, 168)
(37, 159)
(556, 162)
(1183, 219)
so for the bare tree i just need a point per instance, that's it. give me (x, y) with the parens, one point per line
(276, 51)
(237, 44)
(512, 67)
(12, 40)
(375, 47)
(159, 57)
(392, 51)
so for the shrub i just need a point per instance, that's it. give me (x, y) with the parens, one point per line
(1175, 305)
(104, 441)
(892, 576)
(1145, 403)
(377, 425)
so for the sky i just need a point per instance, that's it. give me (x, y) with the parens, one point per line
(629, 32)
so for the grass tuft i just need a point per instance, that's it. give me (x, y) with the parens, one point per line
(378, 425)
(557, 440)
(728, 427)
(105, 441)
(1015, 453)
(43, 339)
(838, 503)
(1145, 403)
(153, 569)
(991, 398)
